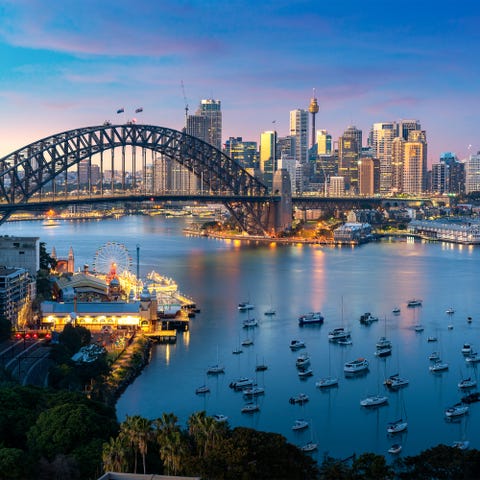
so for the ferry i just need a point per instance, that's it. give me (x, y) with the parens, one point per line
(310, 318)
(414, 302)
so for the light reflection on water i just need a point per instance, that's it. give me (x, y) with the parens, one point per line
(373, 278)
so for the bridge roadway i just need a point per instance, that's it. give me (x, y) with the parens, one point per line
(41, 203)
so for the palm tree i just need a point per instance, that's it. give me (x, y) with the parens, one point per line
(144, 434)
(206, 431)
(114, 455)
(137, 431)
(169, 439)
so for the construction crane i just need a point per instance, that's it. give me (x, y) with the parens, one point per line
(185, 100)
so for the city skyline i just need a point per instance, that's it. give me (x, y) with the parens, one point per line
(69, 64)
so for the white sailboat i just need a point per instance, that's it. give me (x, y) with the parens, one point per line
(216, 368)
(329, 381)
(270, 311)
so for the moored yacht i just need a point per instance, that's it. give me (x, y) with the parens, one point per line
(397, 427)
(395, 449)
(467, 349)
(300, 424)
(396, 311)
(327, 382)
(215, 369)
(305, 373)
(253, 391)
(394, 381)
(356, 366)
(241, 383)
(374, 401)
(338, 334)
(467, 383)
(310, 318)
(301, 398)
(250, 322)
(309, 447)
(472, 357)
(457, 410)
(202, 390)
(220, 417)
(303, 360)
(297, 344)
(438, 366)
(250, 407)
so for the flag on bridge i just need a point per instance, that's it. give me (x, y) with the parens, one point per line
(138, 110)
(120, 110)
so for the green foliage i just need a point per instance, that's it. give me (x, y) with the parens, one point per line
(46, 261)
(73, 338)
(12, 462)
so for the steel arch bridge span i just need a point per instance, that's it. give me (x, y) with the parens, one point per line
(27, 171)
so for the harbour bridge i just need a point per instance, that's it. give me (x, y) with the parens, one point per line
(133, 162)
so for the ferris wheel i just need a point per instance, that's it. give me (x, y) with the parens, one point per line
(112, 256)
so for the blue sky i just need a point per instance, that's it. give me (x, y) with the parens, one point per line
(70, 63)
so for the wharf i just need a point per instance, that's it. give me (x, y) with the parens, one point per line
(162, 336)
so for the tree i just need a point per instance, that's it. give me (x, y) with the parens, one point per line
(5, 328)
(370, 465)
(13, 465)
(46, 261)
(136, 431)
(169, 439)
(114, 455)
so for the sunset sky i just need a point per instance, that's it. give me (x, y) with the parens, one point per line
(70, 63)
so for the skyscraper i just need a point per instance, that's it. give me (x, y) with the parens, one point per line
(299, 131)
(324, 142)
(415, 163)
(313, 109)
(381, 138)
(404, 127)
(211, 110)
(349, 149)
(268, 156)
(472, 174)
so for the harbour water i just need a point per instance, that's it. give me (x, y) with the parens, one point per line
(342, 283)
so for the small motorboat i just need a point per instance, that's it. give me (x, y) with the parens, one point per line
(297, 345)
(250, 407)
(309, 447)
(432, 339)
(241, 383)
(469, 319)
(450, 311)
(300, 424)
(472, 358)
(219, 417)
(247, 342)
(434, 356)
(467, 349)
(467, 383)
(261, 367)
(303, 360)
(202, 390)
(438, 366)
(253, 391)
(395, 381)
(301, 398)
(419, 328)
(396, 311)
(327, 382)
(344, 341)
(305, 373)
(395, 449)
(374, 401)
(457, 410)
(215, 369)
(270, 312)
(367, 318)
(338, 334)
(397, 427)
(383, 351)
(450, 327)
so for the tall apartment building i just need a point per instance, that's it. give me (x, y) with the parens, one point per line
(211, 110)
(472, 174)
(299, 132)
(404, 127)
(440, 178)
(398, 160)
(415, 163)
(336, 187)
(381, 138)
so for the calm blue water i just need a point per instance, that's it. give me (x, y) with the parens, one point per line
(297, 279)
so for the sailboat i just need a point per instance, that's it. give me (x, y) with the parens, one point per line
(261, 367)
(216, 368)
(310, 446)
(399, 425)
(237, 350)
(270, 311)
(384, 346)
(329, 381)
(340, 333)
